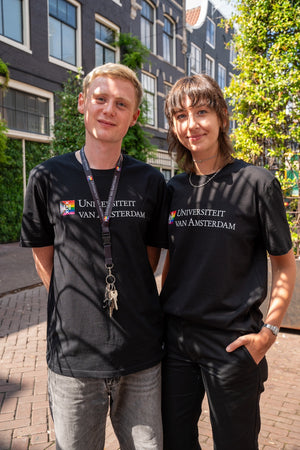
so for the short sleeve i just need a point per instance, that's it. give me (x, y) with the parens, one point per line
(36, 229)
(273, 219)
(157, 234)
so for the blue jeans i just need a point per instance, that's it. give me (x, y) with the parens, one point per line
(79, 408)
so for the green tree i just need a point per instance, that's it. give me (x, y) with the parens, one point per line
(137, 141)
(133, 52)
(69, 132)
(265, 92)
(4, 72)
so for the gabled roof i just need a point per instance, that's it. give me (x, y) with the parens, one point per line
(192, 15)
(196, 12)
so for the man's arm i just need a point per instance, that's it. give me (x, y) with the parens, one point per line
(283, 281)
(165, 268)
(153, 256)
(43, 259)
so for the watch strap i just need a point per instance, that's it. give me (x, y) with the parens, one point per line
(273, 328)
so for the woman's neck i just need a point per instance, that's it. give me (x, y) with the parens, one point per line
(207, 166)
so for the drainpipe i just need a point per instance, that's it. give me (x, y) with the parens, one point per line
(184, 38)
(24, 165)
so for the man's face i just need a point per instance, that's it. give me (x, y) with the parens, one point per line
(109, 109)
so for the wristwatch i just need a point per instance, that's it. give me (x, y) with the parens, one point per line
(273, 328)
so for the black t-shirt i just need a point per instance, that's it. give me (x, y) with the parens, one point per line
(219, 236)
(59, 210)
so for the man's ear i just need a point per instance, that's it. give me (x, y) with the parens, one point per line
(135, 117)
(80, 104)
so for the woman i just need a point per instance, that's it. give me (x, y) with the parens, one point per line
(225, 215)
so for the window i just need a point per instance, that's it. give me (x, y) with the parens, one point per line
(210, 32)
(232, 54)
(168, 41)
(166, 173)
(195, 59)
(167, 88)
(232, 126)
(221, 76)
(14, 23)
(209, 66)
(63, 31)
(105, 35)
(24, 111)
(147, 25)
(148, 84)
(11, 19)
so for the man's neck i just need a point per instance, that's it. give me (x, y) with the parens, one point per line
(101, 157)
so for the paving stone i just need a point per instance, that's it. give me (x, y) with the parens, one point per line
(25, 420)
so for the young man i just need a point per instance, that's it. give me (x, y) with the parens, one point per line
(96, 221)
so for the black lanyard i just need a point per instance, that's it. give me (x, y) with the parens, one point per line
(104, 216)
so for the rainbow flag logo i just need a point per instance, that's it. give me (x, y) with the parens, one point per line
(90, 178)
(67, 207)
(172, 217)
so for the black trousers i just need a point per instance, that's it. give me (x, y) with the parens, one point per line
(197, 363)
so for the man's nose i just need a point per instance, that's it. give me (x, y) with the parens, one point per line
(109, 108)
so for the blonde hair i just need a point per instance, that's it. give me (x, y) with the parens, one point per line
(199, 89)
(113, 70)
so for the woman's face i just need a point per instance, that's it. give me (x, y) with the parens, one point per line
(197, 128)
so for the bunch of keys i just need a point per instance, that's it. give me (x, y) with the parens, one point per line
(111, 293)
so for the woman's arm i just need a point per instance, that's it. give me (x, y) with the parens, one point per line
(283, 282)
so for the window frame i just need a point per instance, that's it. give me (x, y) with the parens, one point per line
(199, 61)
(78, 33)
(173, 42)
(221, 68)
(210, 28)
(212, 61)
(37, 92)
(153, 94)
(113, 27)
(25, 45)
(153, 34)
(167, 88)
(167, 173)
(232, 53)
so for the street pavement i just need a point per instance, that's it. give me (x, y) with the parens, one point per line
(25, 421)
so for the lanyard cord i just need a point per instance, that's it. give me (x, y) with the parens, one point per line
(103, 216)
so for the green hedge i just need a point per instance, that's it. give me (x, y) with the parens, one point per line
(11, 184)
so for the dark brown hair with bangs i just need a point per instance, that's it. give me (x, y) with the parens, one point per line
(200, 89)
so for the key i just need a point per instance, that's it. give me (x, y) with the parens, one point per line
(113, 295)
(107, 300)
